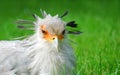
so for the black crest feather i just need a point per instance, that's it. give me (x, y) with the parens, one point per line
(24, 24)
(64, 14)
(72, 24)
(74, 32)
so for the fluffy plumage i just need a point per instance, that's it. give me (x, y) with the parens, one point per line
(46, 52)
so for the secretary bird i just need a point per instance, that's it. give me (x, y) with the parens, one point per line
(46, 52)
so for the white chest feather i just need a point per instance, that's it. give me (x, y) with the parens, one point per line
(35, 59)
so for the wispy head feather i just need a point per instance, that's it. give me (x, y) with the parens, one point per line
(54, 21)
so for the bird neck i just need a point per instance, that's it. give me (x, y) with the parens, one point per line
(45, 58)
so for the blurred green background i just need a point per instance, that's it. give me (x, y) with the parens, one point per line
(97, 50)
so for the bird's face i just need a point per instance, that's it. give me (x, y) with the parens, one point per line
(51, 33)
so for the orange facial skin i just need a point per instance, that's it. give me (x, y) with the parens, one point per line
(48, 36)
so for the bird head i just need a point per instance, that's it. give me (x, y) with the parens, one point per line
(52, 29)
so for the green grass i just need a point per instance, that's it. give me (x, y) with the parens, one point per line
(97, 50)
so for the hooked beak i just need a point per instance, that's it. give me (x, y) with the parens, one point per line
(52, 38)
(55, 43)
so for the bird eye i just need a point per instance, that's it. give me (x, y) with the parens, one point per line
(63, 32)
(43, 31)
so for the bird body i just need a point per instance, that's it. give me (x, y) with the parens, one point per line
(46, 52)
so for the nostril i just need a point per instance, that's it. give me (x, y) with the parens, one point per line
(53, 38)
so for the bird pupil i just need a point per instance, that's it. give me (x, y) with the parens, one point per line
(43, 31)
(53, 38)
